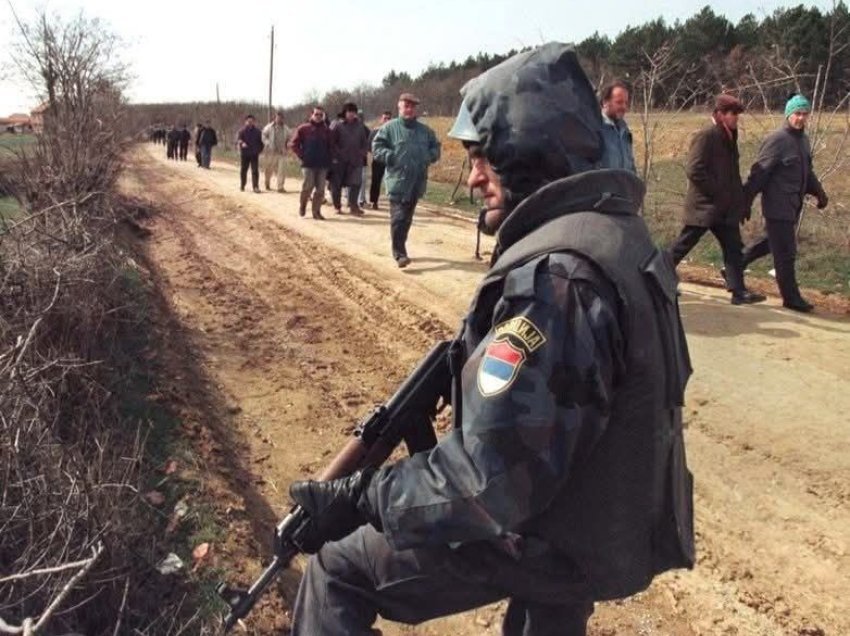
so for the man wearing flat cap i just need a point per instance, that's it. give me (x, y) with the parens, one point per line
(715, 200)
(407, 147)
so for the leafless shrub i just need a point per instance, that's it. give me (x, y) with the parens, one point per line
(73, 526)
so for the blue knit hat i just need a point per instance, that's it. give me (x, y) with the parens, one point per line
(797, 102)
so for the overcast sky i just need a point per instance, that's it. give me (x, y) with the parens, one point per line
(178, 50)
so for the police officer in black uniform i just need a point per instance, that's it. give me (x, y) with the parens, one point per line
(564, 480)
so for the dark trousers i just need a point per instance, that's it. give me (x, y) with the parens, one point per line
(401, 216)
(729, 237)
(170, 150)
(350, 582)
(198, 156)
(206, 156)
(781, 240)
(254, 162)
(184, 151)
(346, 175)
(378, 169)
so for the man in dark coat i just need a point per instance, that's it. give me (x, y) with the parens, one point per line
(784, 175)
(564, 480)
(172, 140)
(350, 143)
(207, 139)
(715, 198)
(183, 139)
(249, 140)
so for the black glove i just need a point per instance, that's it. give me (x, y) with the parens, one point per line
(823, 201)
(335, 508)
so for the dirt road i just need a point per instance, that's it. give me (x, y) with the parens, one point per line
(303, 325)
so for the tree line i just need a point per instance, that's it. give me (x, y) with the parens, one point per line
(687, 63)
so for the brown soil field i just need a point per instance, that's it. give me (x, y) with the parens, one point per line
(298, 328)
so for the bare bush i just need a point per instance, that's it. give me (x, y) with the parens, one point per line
(73, 528)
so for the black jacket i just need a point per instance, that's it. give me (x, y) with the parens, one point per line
(715, 193)
(569, 441)
(207, 137)
(252, 137)
(783, 174)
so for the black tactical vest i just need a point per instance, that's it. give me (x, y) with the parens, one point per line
(626, 512)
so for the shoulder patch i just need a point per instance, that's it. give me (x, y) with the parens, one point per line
(499, 367)
(524, 332)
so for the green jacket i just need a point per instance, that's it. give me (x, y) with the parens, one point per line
(407, 148)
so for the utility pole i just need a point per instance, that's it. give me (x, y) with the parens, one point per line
(271, 75)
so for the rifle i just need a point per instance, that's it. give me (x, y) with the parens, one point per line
(407, 416)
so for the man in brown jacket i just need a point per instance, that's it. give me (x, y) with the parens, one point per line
(715, 201)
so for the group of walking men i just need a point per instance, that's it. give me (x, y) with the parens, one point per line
(402, 148)
(717, 200)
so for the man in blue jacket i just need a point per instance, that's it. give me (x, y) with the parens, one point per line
(564, 479)
(406, 147)
(617, 152)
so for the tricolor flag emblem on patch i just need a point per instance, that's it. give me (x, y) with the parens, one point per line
(499, 367)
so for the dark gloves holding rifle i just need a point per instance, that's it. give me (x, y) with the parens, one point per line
(335, 508)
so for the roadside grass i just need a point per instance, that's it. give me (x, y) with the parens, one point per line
(9, 208)
(143, 398)
(10, 143)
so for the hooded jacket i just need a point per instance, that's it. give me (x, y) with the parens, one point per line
(567, 448)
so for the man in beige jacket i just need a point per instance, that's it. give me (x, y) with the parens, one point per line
(275, 137)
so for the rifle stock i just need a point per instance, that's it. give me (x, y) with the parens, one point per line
(407, 416)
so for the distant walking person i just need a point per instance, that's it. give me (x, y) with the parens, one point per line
(407, 147)
(276, 136)
(715, 200)
(197, 140)
(378, 167)
(784, 175)
(183, 139)
(249, 140)
(311, 143)
(172, 139)
(617, 151)
(207, 139)
(361, 197)
(350, 140)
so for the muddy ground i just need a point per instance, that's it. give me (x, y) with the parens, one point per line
(296, 328)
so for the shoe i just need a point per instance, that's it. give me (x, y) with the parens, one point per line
(303, 212)
(355, 211)
(375, 206)
(318, 216)
(257, 190)
(338, 210)
(268, 187)
(402, 262)
(747, 297)
(242, 188)
(798, 305)
(281, 190)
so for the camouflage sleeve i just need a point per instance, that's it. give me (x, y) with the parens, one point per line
(537, 392)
